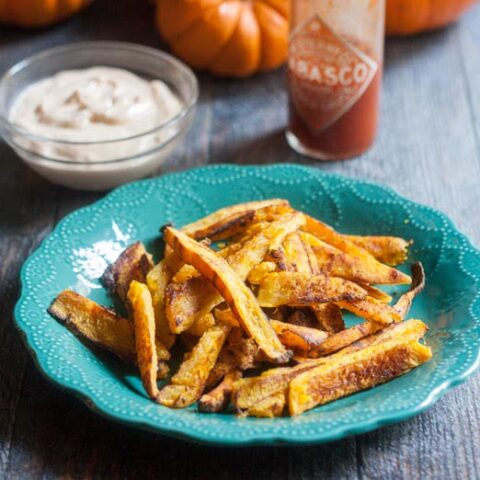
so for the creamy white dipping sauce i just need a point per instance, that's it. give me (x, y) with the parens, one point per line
(94, 105)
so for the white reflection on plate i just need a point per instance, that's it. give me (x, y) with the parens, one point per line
(89, 263)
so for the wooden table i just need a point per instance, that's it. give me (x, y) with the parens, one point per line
(428, 149)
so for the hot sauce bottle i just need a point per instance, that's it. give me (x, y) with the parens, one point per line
(334, 76)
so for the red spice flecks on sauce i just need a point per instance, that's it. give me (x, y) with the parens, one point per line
(334, 88)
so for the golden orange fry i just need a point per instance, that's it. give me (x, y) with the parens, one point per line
(390, 250)
(353, 372)
(238, 296)
(227, 221)
(301, 289)
(157, 280)
(187, 385)
(187, 302)
(134, 263)
(99, 325)
(218, 399)
(144, 323)
(297, 338)
(377, 272)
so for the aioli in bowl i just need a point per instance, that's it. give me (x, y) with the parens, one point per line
(97, 104)
(94, 115)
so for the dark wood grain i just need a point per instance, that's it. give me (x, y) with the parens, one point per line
(428, 149)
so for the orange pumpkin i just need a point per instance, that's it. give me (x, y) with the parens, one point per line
(406, 17)
(38, 13)
(227, 37)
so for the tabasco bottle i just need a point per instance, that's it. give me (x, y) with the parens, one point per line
(334, 76)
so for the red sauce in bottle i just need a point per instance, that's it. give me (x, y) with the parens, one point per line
(334, 87)
(352, 134)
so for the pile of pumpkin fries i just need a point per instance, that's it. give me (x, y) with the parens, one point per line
(253, 297)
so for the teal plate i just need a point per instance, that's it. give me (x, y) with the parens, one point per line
(81, 246)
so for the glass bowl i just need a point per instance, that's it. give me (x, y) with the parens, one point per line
(61, 161)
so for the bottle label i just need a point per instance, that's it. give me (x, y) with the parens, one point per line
(326, 74)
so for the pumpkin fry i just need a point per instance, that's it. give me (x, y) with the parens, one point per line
(218, 399)
(238, 296)
(364, 369)
(134, 263)
(372, 309)
(252, 391)
(346, 337)
(157, 280)
(187, 302)
(329, 316)
(372, 270)
(99, 325)
(333, 261)
(297, 338)
(402, 307)
(144, 323)
(226, 222)
(376, 293)
(300, 289)
(390, 250)
(408, 330)
(187, 385)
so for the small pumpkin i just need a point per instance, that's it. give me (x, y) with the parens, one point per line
(38, 13)
(227, 37)
(407, 17)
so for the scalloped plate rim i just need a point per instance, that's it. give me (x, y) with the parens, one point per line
(335, 433)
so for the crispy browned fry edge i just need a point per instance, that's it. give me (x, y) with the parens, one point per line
(157, 280)
(329, 317)
(296, 255)
(217, 400)
(297, 338)
(364, 369)
(383, 273)
(184, 301)
(376, 293)
(418, 283)
(189, 301)
(343, 339)
(408, 330)
(372, 310)
(376, 311)
(229, 220)
(187, 385)
(390, 250)
(98, 324)
(334, 262)
(144, 322)
(134, 263)
(238, 353)
(352, 336)
(238, 296)
(253, 391)
(269, 407)
(301, 289)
